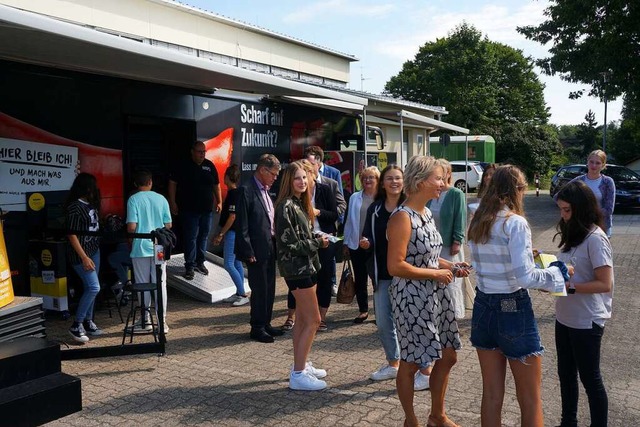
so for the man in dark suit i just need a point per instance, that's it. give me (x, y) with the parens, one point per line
(325, 170)
(255, 245)
(313, 155)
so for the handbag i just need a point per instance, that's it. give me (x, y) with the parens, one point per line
(347, 285)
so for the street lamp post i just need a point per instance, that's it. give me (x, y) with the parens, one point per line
(604, 92)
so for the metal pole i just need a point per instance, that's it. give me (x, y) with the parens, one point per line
(366, 133)
(604, 134)
(401, 140)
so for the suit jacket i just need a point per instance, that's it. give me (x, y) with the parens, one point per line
(326, 203)
(341, 203)
(333, 173)
(252, 225)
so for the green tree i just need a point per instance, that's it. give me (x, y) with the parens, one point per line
(483, 84)
(593, 42)
(530, 147)
(588, 134)
(624, 141)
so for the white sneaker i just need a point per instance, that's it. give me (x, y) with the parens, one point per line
(334, 290)
(240, 301)
(232, 298)
(139, 329)
(316, 372)
(305, 381)
(421, 382)
(386, 372)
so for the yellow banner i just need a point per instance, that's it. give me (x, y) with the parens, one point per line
(6, 287)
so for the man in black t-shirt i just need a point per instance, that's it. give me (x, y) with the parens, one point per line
(194, 193)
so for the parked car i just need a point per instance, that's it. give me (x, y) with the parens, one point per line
(473, 175)
(627, 182)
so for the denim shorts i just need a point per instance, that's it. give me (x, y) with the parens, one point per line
(505, 322)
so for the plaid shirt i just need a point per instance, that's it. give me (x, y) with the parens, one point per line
(505, 264)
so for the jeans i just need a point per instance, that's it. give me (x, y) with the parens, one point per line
(385, 320)
(579, 353)
(231, 264)
(120, 260)
(196, 227)
(505, 322)
(91, 287)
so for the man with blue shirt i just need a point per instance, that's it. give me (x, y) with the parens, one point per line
(146, 212)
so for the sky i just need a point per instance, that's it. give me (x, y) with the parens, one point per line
(383, 34)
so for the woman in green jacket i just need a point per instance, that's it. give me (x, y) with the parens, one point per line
(298, 262)
(450, 215)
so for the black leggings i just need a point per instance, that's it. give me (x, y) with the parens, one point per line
(361, 277)
(579, 352)
(325, 282)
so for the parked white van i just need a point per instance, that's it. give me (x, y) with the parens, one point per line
(473, 175)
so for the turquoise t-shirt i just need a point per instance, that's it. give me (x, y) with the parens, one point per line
(150, 211)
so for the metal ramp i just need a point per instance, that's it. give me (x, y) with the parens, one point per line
(211, 288)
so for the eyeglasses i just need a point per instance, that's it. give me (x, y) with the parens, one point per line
(273, 174)
(369, 178)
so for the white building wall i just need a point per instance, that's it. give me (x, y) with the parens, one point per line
(158, 21)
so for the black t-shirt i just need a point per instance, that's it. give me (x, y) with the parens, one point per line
(380, 232)
(229, 206)
(81, 216)
(194, 192)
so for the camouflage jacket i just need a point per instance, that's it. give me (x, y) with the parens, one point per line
(296, 246)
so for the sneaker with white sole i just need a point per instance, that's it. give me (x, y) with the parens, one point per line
(386, 372)
(78, 333)
(91, 328)
(421, 381)
(233, 298)
(316, 372)
(334, 290)
(305, 381)
(240, 301)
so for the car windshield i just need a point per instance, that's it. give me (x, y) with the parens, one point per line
(622, 174)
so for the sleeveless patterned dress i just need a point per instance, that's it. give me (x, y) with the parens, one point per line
(423, 309)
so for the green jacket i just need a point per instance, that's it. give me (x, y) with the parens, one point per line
(297, 248)
(453, 217)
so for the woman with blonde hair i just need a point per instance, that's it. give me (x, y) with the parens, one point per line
(503, 326)
(298, 263)
(602, 186)
(325, 214)
(355, 218)
(420, 298)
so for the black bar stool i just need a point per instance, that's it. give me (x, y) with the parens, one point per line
(140, 289)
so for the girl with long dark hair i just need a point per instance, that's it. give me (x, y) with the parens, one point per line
(581, 315)
(82, 214)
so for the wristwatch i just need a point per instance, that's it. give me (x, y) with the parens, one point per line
(572, 289)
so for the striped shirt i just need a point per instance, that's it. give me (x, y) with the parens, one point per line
(505, 264)
(81, 216)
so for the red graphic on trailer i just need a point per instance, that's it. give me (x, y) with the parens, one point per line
(104, 163)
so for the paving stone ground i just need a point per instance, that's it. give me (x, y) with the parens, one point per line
(213, 375)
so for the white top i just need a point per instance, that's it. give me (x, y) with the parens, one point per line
(505, 264)
(578, 311)
(594, 185)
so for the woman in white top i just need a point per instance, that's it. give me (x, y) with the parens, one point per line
(580, 316)
(503, 327)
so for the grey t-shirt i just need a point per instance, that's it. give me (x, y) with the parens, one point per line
(578, 311)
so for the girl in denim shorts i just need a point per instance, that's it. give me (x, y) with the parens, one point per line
(503, 327)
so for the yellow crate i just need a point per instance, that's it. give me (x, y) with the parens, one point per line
(57, 287)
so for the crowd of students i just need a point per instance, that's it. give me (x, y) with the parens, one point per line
(405, 230)
(414, 257)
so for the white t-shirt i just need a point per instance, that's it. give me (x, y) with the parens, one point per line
(594, 185)
(578, 311)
